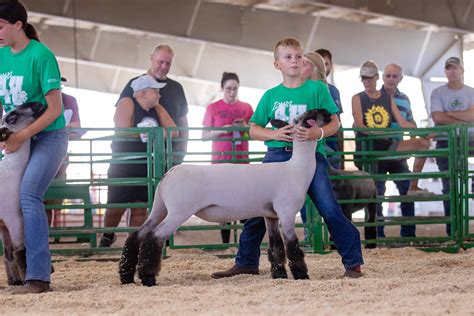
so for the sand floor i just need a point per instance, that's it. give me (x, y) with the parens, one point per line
(402, 281)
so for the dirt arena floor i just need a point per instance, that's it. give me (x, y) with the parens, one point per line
(401, 281)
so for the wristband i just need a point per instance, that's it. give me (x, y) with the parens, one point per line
(322, 134)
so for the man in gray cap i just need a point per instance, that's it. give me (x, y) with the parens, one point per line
(142, 110)
(452, 103)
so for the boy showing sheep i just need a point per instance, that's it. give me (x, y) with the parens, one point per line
(284, 102)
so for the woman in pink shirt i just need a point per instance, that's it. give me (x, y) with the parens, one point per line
(227, 112)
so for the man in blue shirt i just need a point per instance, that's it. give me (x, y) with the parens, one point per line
(392, 76)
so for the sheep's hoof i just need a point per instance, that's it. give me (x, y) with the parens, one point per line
(299, 270)
(279, 272)
(149, 280)
(15, 282)
(126, 278)
(300, 275)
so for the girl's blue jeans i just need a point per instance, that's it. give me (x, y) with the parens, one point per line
(48, 149)
(345, 235)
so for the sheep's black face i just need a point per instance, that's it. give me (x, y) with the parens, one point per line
(21, 116)
(4, 134)
(321, 117)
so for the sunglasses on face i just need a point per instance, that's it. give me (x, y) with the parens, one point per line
(366, 78)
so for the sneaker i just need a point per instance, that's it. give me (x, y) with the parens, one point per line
(353, 273)
(420, 192)
(235, 270)
(33, 287)
(107, 240)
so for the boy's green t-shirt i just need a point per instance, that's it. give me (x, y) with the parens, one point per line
(286, 104)
(27, 76)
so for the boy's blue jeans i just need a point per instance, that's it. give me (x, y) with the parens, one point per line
(407, 208)
(344, 233)
(48, 149)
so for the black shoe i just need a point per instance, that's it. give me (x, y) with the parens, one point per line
(107, 240)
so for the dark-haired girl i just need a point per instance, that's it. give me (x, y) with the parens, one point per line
(29, 72)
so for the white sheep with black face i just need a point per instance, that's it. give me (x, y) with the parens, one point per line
(228, 192)
(12, 168)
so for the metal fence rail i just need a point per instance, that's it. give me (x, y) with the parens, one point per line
(81, 193)
(467, 184)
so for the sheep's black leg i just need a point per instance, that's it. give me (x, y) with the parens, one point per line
(370, 232)
(129, 259)
(295, 255)
(19, 257)
(276, 250)
(14, 270)
(149, 258)
(10, 267)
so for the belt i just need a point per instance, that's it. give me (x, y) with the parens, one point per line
(286, 148)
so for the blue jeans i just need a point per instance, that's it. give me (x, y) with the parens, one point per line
(334, 160)
(344, 233)
(48, 150)
(408, 208)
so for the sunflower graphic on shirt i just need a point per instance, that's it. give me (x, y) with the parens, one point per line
(377, 117)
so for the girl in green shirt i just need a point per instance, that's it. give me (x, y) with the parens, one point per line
(29, 72)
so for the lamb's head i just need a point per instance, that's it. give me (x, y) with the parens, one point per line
(313, 118)
(19, 118)
(308, 119)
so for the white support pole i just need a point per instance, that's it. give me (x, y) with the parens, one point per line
(421, 55)
(422, 74)
(96, 43)
(66, 6)
(193, 18)
(312, 32)
(113, 86)
(198, 59)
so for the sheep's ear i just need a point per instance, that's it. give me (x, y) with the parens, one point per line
(38, 109)
(278, 123)
(310, 118)
(311, 122)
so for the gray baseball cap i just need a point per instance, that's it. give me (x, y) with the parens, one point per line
(369, 69)
(146, 82)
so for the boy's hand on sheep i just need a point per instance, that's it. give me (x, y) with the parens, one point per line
(303, 133)
(284, 133)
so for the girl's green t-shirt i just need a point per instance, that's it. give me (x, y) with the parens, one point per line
(28, 76)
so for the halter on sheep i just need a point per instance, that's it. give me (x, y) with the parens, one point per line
(12, 168)
(224, 193)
